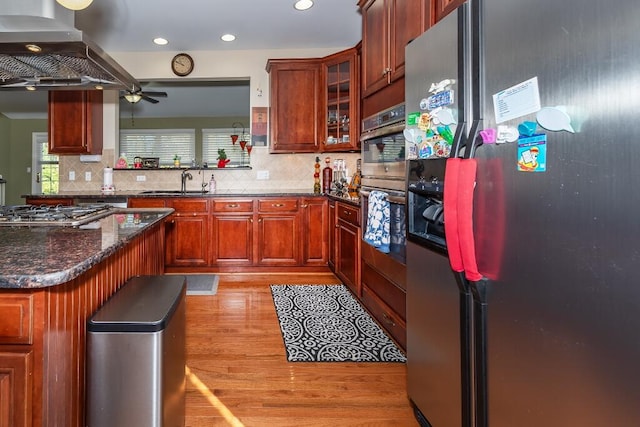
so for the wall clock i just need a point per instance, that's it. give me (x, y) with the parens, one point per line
(182, 64)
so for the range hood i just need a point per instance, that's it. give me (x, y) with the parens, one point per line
(64, 58)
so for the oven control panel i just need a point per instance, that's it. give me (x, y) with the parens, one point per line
(384, 118)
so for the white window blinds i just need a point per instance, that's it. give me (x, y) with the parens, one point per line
(220, 138)
(162, 143)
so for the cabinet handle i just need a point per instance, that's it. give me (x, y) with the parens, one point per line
(232, 205)
(304, 206)
(195, 214)
(260, 220)
(386, 71)
(388, 320)
(173, 221)
(277, 205)
(251, 220)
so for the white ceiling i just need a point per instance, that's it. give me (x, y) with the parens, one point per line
(189, 25)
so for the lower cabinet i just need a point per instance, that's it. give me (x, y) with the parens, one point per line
(347, 244)
(187, 232)
(16, 388)
(238, 233)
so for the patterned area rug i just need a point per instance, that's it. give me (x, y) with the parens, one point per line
(325, 323)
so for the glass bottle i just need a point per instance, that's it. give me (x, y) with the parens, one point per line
(327, 176)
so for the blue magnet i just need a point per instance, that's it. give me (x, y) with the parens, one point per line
(527, 128)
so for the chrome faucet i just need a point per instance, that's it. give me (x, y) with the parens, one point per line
(183, 183)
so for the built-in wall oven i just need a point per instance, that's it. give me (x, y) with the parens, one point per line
(383, 169)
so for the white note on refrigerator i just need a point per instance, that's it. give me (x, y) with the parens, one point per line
(517, 101)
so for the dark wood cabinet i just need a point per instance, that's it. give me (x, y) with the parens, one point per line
(315, 231)
(332, 229)
(341, 98)
(188, 233)
(387, 27)
(37, 201)
(278, 242)
(444, 7)
(295, 105)
(348, 236)
(75, 122)
(232, 232)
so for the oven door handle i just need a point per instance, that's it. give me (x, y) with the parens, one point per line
(401, 200)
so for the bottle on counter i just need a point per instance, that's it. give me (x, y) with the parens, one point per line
(212, 185)
(327, 176)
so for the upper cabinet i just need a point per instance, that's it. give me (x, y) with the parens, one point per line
(295, 105)
(75, 122)
(387, 27)
(444, 7)
(341, 98)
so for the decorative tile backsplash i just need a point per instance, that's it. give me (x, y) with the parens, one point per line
(286, 171)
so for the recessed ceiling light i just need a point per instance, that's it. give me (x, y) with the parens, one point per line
(303, 4)
(228, 37)
(75, 4)
(160, 41)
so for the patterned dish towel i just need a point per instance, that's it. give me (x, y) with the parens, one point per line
(377, 232)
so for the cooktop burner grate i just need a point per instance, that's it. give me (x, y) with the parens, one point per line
(58, 215)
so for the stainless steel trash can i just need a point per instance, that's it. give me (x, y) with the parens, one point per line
(136, 355)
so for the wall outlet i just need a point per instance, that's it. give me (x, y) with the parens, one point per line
(262, 174)
(72, 175)
(87, 176)
(141, 178)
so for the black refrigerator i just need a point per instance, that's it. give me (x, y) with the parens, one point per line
(527, 312)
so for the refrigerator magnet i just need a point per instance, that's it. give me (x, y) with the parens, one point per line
(532, 153)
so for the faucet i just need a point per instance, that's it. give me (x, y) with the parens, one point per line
(183, 183)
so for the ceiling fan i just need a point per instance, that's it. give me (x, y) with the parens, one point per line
(134, 97)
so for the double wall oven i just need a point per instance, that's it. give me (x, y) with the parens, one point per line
(383, 169)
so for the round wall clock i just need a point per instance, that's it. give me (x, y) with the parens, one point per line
(182, 64)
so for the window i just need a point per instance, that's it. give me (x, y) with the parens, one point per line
(46, 171)
(220, 138)
(162, 143)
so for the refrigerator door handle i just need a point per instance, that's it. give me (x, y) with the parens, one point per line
(451, 222)
(466, 187)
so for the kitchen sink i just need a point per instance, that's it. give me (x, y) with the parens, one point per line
(171, 192)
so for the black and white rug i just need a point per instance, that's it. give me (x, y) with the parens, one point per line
(325, 323)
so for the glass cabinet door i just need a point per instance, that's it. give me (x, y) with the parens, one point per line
(340, 131)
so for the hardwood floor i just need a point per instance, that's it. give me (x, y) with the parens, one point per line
(238, 374)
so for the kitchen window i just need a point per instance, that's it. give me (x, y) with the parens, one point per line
(220, 138)
(162, 143)
(46, 171)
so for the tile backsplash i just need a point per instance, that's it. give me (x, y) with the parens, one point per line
(285, 171)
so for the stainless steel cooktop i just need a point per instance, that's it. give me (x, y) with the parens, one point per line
(61, 216)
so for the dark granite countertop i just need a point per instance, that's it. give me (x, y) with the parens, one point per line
(175, 193)
(42, 256)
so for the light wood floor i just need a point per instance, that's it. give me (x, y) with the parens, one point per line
(238, 374)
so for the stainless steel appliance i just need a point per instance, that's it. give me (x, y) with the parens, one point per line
(61, 216)
(39, 47)
(529, 317)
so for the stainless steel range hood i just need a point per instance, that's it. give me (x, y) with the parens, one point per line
(67, 59)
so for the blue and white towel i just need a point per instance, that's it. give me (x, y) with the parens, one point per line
(377, 233)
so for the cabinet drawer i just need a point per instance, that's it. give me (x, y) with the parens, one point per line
(144, 202)
(278, 205)
(386, 290)
(350, 214)
(385, 316)
(16, 322)
(190, 205)
(233, 206)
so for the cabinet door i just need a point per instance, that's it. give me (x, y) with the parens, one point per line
(232, 239)
(15, 388)
(333, 228)
(341, 96)
(146, 202)
(375, 46)
(278, 239)
(348, 255)
(408, 19)
(295, 105)
(75, 122)
(315, 212)
(444, 7)
(188, 236)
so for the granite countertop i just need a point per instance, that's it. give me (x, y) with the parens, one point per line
(43, 256)
(176, 193)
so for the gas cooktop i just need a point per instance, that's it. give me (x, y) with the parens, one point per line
(44, 215)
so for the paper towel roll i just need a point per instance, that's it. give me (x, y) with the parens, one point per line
(108, 178)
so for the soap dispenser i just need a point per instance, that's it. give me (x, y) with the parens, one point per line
(212, 185)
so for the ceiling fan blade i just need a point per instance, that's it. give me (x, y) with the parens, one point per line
(157, 94)
(149, 99)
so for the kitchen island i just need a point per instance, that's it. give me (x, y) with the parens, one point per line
(52, 279)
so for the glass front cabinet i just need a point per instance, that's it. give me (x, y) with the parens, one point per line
(341, 97)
